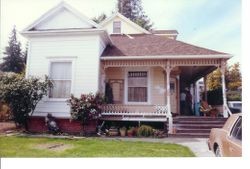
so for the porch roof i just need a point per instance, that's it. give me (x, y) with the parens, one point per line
(152, 45)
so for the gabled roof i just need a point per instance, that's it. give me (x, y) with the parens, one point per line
(153, 45)
(57, 8)
(164, 32)
(134, 25)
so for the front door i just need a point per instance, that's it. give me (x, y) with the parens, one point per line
(117, 86)
(173, 95)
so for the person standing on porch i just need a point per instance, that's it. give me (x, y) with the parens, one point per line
(183, 100)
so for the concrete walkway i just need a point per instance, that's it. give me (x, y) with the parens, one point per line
(197, 145)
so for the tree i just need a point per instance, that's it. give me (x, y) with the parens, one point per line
(100, 18)
(25, 53)
(13, 61)
(133, 10)
(22, 95)
(214, 80)
(232, 78)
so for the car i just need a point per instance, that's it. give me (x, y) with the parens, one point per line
(235, 106)
(227, 141)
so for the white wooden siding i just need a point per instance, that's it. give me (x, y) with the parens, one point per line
(82, 50)
(62, 20)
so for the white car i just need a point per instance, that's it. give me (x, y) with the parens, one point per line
(235, 106)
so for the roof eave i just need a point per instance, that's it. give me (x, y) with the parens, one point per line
(212, 56)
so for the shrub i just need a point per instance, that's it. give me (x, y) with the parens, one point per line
(22, 95)
(214, 97)
(4, 112)
(85, 108)
(234, 95)
(145, 131)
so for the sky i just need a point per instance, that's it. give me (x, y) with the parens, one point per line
(213, 24)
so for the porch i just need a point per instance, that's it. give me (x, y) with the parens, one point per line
(160, 82)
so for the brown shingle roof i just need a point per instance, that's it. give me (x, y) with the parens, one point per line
(164, 32)
(151, 45)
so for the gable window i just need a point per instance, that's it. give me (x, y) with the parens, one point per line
(117, 27)
(60, 74)
(138, 86)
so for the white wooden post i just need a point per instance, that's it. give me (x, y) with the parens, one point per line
(169, 115)
(205, 88)
(103, 79)
(178, 94)
(223, 69)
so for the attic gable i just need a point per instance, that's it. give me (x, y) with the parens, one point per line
(62, 16)
(127, 26)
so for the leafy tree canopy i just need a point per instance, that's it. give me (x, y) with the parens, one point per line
(100, 18)
(133, 10)
(232, 76)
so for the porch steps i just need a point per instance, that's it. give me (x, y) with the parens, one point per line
(198, 127)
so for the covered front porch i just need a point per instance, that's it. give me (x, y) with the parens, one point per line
(149, 89)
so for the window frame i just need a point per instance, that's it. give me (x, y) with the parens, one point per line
(116, 28)
(148, 102)
(63, 60)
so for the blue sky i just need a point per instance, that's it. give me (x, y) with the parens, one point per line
(214, 24)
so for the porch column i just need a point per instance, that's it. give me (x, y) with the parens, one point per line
(102, 80)
(178, 94)
(169, 115)
(205, 88)
(223, 69)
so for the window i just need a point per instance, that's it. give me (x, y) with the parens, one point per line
(138, 86)
(60, 74)
(117, 27)
(237, 130)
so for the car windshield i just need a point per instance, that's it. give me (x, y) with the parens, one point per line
(237, 129)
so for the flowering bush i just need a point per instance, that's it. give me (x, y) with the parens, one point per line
(22, 95)
(86, 108)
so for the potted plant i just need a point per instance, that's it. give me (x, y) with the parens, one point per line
(123, 131)
(113, 131)
(131, 131)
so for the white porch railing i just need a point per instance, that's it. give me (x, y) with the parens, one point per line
(136, 113)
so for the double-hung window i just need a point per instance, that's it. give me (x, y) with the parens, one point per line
(137, 86)
(61, 75)
(117, 27)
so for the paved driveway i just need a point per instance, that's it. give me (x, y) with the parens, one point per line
(197, 145)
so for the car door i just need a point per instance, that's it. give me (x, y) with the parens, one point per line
(234, 139)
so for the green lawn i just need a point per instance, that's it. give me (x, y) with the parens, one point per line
(87, 147)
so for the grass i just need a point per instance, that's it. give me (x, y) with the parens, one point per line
(88, 147)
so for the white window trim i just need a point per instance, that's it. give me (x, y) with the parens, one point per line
(62, 59)
(120, 27)
(145, 69)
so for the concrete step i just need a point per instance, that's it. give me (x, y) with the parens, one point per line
(198, 126)
(199, 122)
(200, 118)
(193, 131)
(190, 135)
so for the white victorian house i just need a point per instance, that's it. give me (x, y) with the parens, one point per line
(146, 69)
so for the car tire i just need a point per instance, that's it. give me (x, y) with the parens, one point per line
(218, 152)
